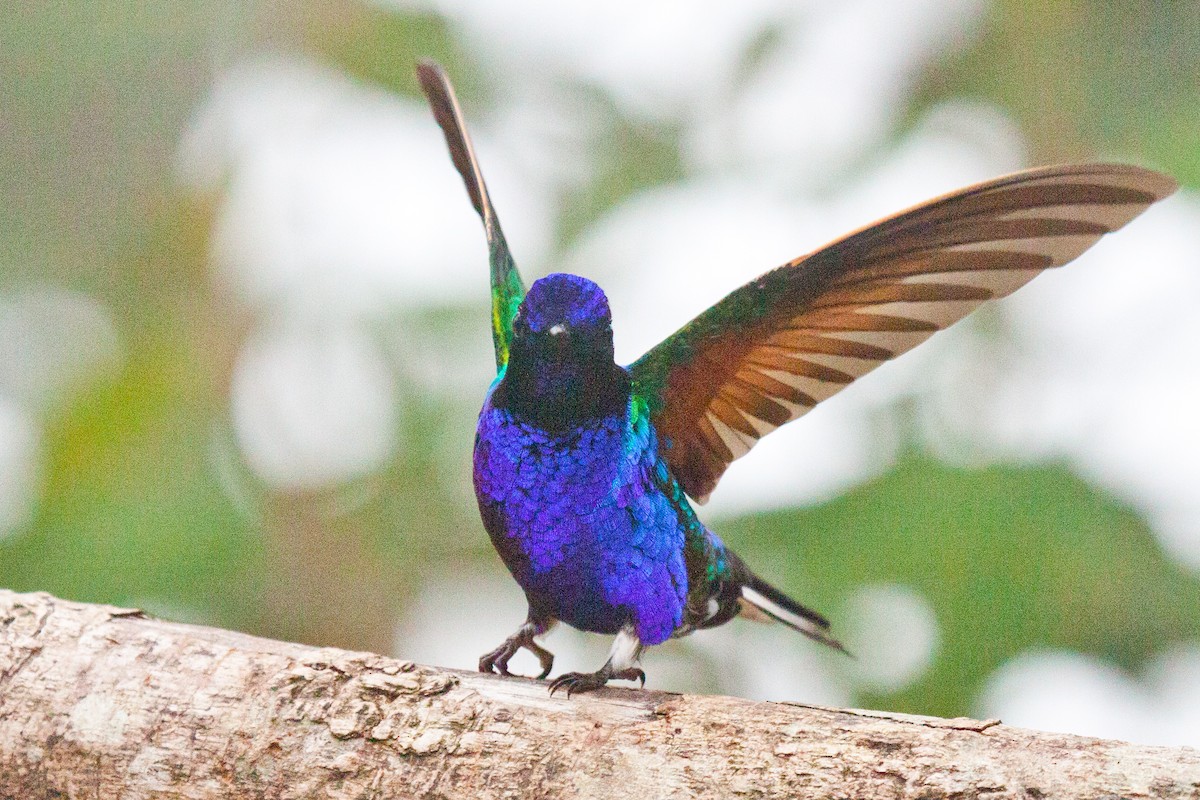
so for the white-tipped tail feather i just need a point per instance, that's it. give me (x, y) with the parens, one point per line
(765, 600)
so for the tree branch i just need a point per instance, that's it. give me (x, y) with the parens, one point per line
(97, 701)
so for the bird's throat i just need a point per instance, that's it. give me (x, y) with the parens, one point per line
(556, 395)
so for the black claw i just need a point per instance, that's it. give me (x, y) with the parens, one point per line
(496, 662)
(544, 656)
(590, 681)
(632, 674)
(578, 682)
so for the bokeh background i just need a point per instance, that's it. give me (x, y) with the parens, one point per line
(244, 328)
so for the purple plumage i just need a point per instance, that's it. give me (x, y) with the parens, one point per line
(581, 521)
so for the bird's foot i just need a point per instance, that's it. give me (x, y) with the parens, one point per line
(580, 682)
(497, 660)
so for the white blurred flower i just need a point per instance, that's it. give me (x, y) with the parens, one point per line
(656, 59)
(832, 86)
(1073, 693)
(893, 633)
(763, 662)
(313, 406)
(20, 466)
(52, 340)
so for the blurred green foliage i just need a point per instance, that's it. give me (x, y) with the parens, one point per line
(139, 503)
(1083, 79)
(1011, 558)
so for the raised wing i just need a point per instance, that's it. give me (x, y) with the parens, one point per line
(507, 287)
(784, 342)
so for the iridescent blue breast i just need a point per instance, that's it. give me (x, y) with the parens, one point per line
(581, 521)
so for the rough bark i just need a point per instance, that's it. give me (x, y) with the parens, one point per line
(102, 702)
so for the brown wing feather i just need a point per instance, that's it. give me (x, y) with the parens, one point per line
(817, 323)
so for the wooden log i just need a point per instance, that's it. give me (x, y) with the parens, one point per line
(103, 702)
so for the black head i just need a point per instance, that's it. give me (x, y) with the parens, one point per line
(560, 364)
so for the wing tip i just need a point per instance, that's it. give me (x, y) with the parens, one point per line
(443, 101)
(432, 77)
(1154, 183)
(427, 66)
(1158, 185)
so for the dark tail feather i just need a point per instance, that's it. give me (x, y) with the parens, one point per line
(778, 606)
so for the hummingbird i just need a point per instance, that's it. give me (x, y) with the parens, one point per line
(586, 471)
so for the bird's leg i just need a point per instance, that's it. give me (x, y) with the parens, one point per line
(534, 625)
(620, 665)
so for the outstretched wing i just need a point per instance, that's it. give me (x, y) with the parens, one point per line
(507, 287)
(779, 345)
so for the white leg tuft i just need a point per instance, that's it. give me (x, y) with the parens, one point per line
(626, 650)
